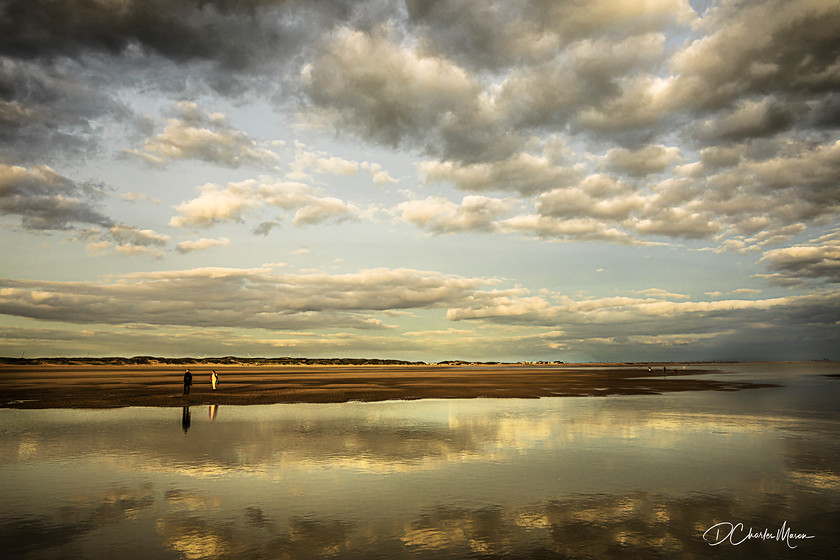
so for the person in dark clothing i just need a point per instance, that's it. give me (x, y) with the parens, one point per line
(187, 382)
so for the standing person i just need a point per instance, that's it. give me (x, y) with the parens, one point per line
(214, 379)
(187, 382)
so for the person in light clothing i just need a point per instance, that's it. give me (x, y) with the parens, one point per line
(214, 379)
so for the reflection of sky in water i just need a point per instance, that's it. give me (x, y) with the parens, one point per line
(579, 476)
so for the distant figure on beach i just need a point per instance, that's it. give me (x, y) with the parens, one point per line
(214, 379)
(187, 382)
(185, 419)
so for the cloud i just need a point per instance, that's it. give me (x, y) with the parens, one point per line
(577, 229)
(46, 200)
(663, 294)
(793, 53)
(201, 244)
(125, 240)
(138, 197)
(241, 298)
(176, 30)
(216, 204)
(50, 110)
(515, 306)
(439, 215)
(645, 161)
(819, 259)
(525, 173)
(494, 35)
(318, 162)
(397, 96)
(205, 137)
(705, 326)
(379, 175)
(750, 119)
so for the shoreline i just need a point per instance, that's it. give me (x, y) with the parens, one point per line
(109, 386)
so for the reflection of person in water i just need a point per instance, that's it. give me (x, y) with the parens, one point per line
(214, 379)
(187, 382)
(214, 410)
(185, 419)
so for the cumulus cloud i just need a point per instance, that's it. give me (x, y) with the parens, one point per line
(205, 137)
(580, 229)
(439, 215)
(645, 161)
(216, 204)
(793, 52)
(497, 34)
(307, 162)
(389, 93)
(525, 173)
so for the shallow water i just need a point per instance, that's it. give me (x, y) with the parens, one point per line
(611, 477)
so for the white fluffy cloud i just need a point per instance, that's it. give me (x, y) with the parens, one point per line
(216, 204)
(439, 215)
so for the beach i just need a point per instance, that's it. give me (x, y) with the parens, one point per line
(106, 386)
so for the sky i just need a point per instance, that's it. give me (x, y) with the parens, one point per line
(495, 180)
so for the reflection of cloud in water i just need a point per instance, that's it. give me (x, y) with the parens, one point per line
(597, 479)
(26, 533)
(363, 438)
(196, 538)
(817, 480)
(190, 500)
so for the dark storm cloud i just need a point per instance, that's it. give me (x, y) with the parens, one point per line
(494, 34)
(224, 31)
(61, 63)
(50, 108)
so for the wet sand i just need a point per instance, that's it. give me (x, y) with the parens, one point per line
(39, 386)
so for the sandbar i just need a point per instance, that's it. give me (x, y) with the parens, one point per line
(100, 386)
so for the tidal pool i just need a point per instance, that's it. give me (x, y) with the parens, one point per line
(663, 476)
